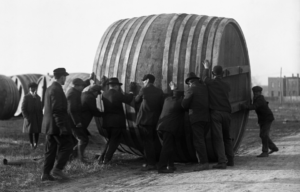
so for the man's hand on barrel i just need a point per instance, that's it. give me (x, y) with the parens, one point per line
(172, 85)
(206, 64)
(92, 76)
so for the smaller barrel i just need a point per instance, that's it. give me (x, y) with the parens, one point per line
(9, 98)
(22, 82)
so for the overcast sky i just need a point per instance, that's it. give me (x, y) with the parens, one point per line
(37, 36)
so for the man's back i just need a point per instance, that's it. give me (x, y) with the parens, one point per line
(152, 99)
(74, 106)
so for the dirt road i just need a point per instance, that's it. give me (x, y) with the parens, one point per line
(279, 172)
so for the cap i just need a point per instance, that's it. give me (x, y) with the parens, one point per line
(32, 84)
(191, 75)
(95, 88)
(217, 70)
(150, 77)
(60, 71)
(78, 81)
(257, 89)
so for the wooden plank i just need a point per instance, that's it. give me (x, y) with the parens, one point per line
(165, 63)
(230, 71)
(218, 40)
(236, 106)
(177, 49)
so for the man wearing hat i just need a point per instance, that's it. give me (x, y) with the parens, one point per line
(114, 120)
(151, 99)
(265, 119)
(170, 121)
(220, 110)
(196, 101)
(58, 144)
(75, 117)
(33, 115)
(88, 111)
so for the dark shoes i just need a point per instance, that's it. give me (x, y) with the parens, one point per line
(220, 166)
(273, 150)
(202, 167)
(59, 174)
(148, 168)
(165, 170)
(47, 177)
(230, 162)
(172, 168)
(264, 154)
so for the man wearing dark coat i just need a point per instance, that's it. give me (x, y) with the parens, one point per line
(33, 115)
(220, 110)
(151, 99)
(88, 111)
(75, 117)
(196, 101)
(265, 119)
(114, 120)
(58, 144)
(170, 120)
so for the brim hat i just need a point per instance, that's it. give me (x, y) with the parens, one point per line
(257, 89)
(33, 84)
(78, 81)
(191, 75)
(113, 80)
(148, 76)
(60, 71)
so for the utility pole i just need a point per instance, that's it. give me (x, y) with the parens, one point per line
(281, 89)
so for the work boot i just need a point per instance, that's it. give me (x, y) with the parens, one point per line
(230, 162)
(47, 177)
(202, 167)
(148, 168)
(172, 168)
(59, 174)
(263, 154)
(81, 149)
(165, 170)
(273, 150)
(220, 166)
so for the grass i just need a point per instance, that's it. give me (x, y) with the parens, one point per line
(14, 146)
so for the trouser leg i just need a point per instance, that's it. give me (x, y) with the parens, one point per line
(226, 136)
(200, 130)
(82, 141)
(50, 153)
(36, 137)
(166, 154)
(148, 143)
(113, 143)
(64, 146)
(264, 135)
(30, 138)
(217, 136)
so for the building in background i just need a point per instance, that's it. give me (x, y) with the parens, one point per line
(288, 86)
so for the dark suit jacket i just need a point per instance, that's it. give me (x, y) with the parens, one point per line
(218, 93)
(89, 108)
(74, 107)
(261, 107)
(196, 101)
(152, 99)
(56, 114)
(172, 115)
(32, 113)
(114, 115)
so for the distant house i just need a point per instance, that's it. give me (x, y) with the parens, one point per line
(288, 86)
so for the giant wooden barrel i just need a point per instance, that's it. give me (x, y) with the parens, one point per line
(9, 97)
(22, 82)
(169, 46)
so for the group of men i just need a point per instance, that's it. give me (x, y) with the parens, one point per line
(206, 100)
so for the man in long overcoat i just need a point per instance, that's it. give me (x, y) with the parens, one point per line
(114, 120)
(265, 119)
(170, 120)
(33, 115)
(220, 110)
(196, 102)
(151, 99)
(58, 144)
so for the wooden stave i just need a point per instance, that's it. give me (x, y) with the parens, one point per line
(209, 28)
(8, 93)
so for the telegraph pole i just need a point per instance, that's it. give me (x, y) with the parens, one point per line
(281, 86)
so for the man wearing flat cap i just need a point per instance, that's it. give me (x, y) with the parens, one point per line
(88, 111)
(170, 121)
(58, 144)
(265, 119)
(33, 115)
(75, 117)
(151, 99)
(220, 110)
(114, 120)
(196, 102)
